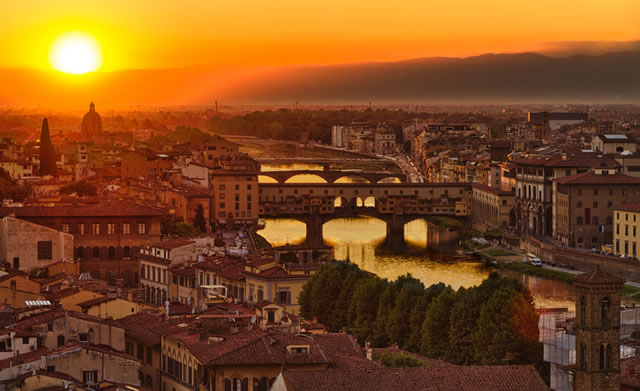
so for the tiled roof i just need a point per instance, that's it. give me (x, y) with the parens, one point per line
(172, 243)
(598, 277)
(234, 273)
(23, 358)
(492, 190)
(138, 327)
(272, 273)
(586, 161)
(428, 362)
(630, 206)
(96, 301)
(75, 346)
(590, 178)
(107, 208)
(451, 378)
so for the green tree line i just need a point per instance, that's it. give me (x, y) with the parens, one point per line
(494, 323)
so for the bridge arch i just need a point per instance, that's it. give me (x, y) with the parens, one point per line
(390, 179)
(370, 202)
(306, 178)
(356, 202)
(262, 178)
(340, 202)
(352, 178)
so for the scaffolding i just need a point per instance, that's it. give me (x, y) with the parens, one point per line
(557, 334)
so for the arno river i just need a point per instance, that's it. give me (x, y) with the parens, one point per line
(430, 255)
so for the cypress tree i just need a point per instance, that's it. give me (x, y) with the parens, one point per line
(47, 154)
(199, 220)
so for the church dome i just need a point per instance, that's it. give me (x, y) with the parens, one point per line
(91, 122)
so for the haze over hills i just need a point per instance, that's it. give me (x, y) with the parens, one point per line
(490, 78)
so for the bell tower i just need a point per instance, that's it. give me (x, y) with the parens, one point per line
(597, 331)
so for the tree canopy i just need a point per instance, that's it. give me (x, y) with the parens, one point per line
(482, 325)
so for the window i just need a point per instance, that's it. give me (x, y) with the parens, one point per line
(90, 377)
(16, 264)
(284, 297)
(45, 250)
(65, 228)
(140, 351)
(583, 356)
(583, 310)
(149, 355)
(81, 229)
(25, 340)
(221, 187)
(579, 204)
(605, 311)
(142, 228)
(126, 228)
(595, 204)
(95, 229)
(83, 337)
(60, 340)
(579, 220)
(111, 228)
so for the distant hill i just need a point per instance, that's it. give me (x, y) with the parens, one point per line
(491, 78)
(504, 78)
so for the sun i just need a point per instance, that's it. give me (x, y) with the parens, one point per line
(76, 53)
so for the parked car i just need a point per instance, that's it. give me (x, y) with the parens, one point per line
(531, 259)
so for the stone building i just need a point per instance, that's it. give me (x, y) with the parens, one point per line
(106, 234)
(26, 245)
(492, 208)
(217, 149)
(534, 186)
(626, 223)
(613, 143)
(235, 192)
(597, 331)
(584, 205)
(142, 164)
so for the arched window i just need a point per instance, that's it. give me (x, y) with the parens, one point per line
(96, 253)
(149, 382)
(126, 252)
(580, 240)
(60, 340)
(583, 310)
(595, 204)
(605, 356)
(261, 384)
(605, 311)
(112, 252)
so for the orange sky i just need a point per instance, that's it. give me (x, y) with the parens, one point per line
(170, 33)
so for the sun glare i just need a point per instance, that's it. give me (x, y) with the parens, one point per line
(75, 53)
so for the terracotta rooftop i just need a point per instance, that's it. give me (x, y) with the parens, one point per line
(172, 243)
(492, 190)
(76, 346)
(137, 326)
(447, 378)
(107, 208)
(630, 206)
(590, 178)
(23, 358)
(598, 277)
(96, 301)
(586, 160)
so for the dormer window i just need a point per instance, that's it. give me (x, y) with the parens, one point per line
(298, 349)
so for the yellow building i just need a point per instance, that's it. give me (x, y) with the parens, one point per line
(272, 282)
(626, 228)
(216, 149)
(235, 192)
(144, 344)
(492, 208)
(110, 307)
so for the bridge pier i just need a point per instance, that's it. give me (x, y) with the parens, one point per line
(314, 230)
(395, 233)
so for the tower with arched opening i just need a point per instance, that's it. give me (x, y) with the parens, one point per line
(597, 331)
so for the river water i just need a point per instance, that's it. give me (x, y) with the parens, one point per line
(429, 256)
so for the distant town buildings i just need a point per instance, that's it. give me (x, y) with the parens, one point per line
(362, 137)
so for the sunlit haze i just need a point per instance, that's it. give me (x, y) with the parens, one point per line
(157, 34)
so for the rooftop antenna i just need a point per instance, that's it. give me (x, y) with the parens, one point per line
(216, 105)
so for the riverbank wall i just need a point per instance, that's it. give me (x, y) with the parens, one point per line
(582, 260)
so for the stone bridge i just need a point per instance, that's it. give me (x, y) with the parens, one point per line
(394, 203)
(332, 176)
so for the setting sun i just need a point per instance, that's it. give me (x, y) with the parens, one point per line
(75, 53)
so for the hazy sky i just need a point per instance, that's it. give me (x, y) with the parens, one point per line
(171, 33)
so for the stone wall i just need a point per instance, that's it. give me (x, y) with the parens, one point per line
(582, 260)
